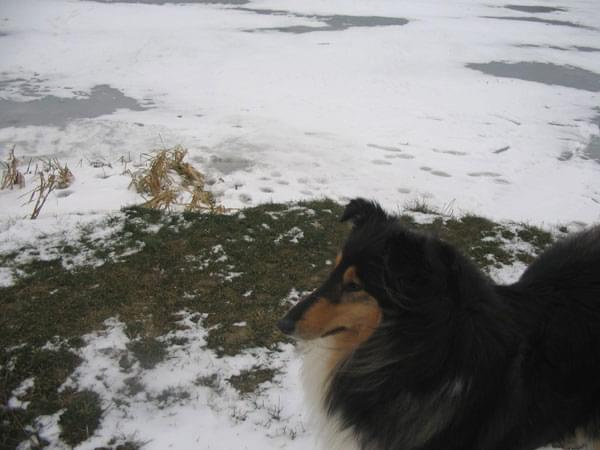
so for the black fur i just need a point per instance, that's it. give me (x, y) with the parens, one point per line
(460, 363)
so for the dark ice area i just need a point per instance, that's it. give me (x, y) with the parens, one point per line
(164, 2)
(546, 73)
(58, 111)
(564, 23)
(331, 23)
(592, 149)
(578, 48)
(534, 8)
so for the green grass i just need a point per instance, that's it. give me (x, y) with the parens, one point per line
(148, 351)
(230, 268)
(249, 380)
(178, 268)
(81, 416)
(171, 396)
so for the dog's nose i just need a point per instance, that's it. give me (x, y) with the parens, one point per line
(286, 326)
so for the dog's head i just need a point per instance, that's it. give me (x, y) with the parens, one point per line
(383, 272)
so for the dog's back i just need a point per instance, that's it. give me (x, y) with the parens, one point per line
(556, 303)
(569, 269)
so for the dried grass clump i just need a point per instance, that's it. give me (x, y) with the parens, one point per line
(167, 181)
(12, 176)
(47, 184)
(52, 176)
(64, 176)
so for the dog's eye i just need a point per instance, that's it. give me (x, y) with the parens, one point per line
(352, 287)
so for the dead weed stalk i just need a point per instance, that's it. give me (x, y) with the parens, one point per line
(53, 176)
(64, 176)
(167, 181)
(12, 175)
(40, 193)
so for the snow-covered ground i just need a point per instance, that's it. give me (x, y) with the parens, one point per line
(469, 105)
(184, 402)
(491, 109)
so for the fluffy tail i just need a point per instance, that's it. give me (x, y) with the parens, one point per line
(568, 270)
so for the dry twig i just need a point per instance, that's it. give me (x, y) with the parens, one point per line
(64, 176)
(41, 192)
(52, 176)
(12, 176)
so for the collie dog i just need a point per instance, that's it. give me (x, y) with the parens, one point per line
(410, 346)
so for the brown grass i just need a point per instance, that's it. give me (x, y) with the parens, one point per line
(12, 175)
(40, 193)
(166, 180)
(53, 176)
(64, 176)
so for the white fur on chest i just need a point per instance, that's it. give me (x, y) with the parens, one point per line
(421, 418)
(316, 377)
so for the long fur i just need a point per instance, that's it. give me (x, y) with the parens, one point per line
(459, 362)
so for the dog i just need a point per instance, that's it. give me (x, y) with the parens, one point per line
(409, 346)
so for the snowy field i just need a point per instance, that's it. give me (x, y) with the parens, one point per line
(487, 108)
(469, 105)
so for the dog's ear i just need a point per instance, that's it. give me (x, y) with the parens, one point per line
(359, 211)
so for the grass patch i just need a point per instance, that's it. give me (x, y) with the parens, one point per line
(478, 237)
(172, 395)
(148, 351)
(227, 267)
(134, 386)
(211, 381)
(49, 370)
(535, 236)
(420, 206)
(486, 242)
(130, 445)
(249, 380)
(81, 417)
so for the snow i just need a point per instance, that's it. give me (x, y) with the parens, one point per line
(389, 112)
(44, 239)
(271, 110)
(48, 429)
(15, 400)
(210, 414)
(293, 235)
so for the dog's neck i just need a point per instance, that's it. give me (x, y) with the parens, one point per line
(336, 381)
(423, 415)
(321, 357)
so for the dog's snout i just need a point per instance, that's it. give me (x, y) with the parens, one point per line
(286, 326)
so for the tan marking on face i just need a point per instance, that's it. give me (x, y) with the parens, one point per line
(338, 259)
(351, 276)
(359, 316)
(315, 320)
(365, 317)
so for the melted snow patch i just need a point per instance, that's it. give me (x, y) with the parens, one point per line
(47, 428)
(61, 238)
(186, 401)
(16, 402)
(293, 235)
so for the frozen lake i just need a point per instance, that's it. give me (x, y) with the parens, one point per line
(472, 106)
